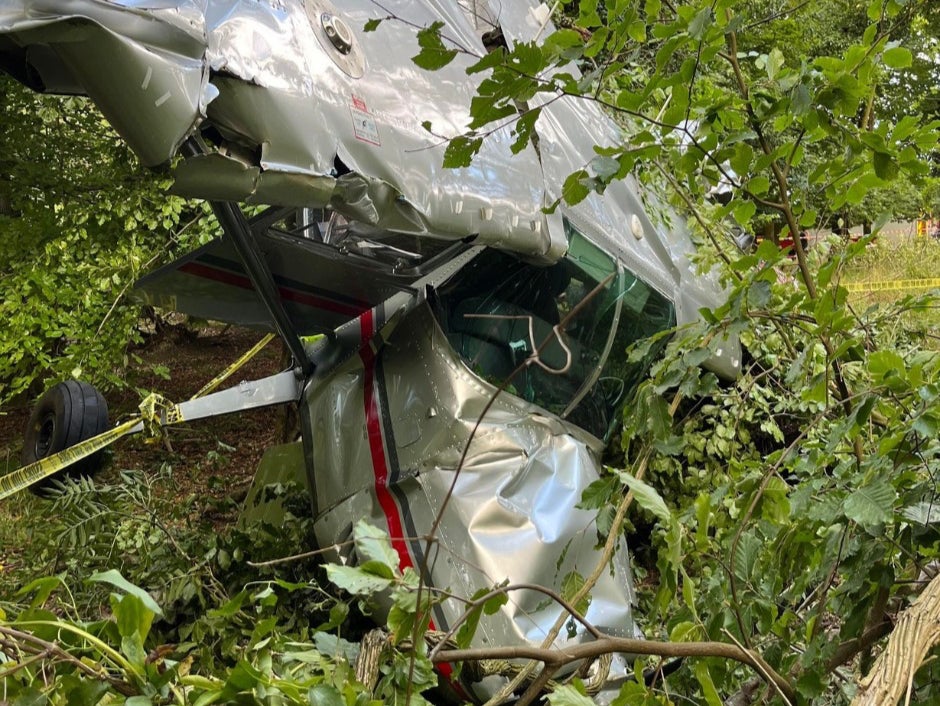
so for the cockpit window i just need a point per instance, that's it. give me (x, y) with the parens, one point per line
(572, 321)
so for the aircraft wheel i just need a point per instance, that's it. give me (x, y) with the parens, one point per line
(66, 414)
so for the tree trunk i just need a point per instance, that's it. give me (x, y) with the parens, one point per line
(917, 631)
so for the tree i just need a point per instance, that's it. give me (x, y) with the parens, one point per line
(79, 222)
(799, 498)
(791, 514)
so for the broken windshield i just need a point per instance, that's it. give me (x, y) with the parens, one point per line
(573, 322)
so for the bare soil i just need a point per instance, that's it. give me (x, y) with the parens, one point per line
(212, 458)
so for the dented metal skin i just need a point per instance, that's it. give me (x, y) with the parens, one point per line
(296, 120)
(292, 103)
(398, 421)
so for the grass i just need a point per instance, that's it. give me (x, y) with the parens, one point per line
(890, 260)
(885, 260)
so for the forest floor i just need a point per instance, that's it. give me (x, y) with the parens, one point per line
(213, 460)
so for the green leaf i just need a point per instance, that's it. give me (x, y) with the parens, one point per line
(922, 513)
(927, 425)
(646, 497)
(746, 555)
(468, 629)
(355, 580)
(758, 185)
(433, 55)
(373, 544)
(744, 211)
(570, 585)
(870, 505)
(885, 166)
(758, 294)
(325, 695)
(230, 608)
(598, 493)
(800, 99)
(371, 25)
(460, 150)
(244, 677)
(113, 577)
(897, 58)
(81, 691)
(378, 568)
(882, 364)
(701, 22)
(704, 678)
(637, 31)
(567, 695)
(576, 188)
(685, 631)
(335, 646)
(133, 619)
(775, 62)
(30, 696)
(43, 587)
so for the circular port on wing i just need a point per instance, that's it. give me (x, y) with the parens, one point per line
(337, 31)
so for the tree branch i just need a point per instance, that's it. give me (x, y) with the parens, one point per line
(590, 650)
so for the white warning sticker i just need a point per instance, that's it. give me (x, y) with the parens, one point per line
(364, 125)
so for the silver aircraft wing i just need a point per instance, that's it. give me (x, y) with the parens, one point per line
(304, 107)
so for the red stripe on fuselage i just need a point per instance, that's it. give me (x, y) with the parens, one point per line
(376, 444)
(379, 459)
(233, 279)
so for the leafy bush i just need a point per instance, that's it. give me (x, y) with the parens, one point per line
(80, 221)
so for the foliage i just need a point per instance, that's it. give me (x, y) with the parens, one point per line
(790, 511)
(797, 514)
(183, 618)
(79, 223)
(196, 623)
(803, 519)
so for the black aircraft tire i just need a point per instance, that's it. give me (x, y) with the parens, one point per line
(66, 414)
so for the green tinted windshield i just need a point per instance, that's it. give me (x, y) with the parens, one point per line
(560, 332)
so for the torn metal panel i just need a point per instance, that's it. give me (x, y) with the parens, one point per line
(142, 68)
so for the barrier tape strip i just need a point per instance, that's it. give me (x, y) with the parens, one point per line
(230, 370)
(155, 412)
(893, 285)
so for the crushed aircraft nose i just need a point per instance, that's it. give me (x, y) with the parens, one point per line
(434, 287)
(421, 432)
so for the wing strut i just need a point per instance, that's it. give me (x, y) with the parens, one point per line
(237, 230)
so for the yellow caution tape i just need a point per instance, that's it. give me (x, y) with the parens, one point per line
(893, 285)
(225, 374)
(43, 468)
(155, 412)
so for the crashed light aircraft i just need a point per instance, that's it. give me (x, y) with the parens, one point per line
(430, 286)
